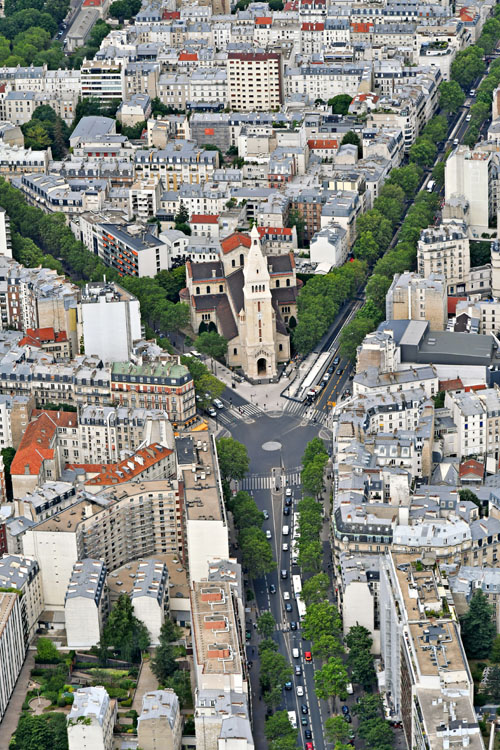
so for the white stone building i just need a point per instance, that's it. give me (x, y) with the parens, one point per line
(85, 604)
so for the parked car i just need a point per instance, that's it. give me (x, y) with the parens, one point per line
(308, 734)
(266, 515)
(288, 685)
(285, 547)
(304, 723)
(300, 691)
(272, 588)
(345, 710)
(268, 534)
(288, 607)
(293, 625)
(304, 709)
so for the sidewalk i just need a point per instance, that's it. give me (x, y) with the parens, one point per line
(266, 396)
(8, 724)
(147, 682)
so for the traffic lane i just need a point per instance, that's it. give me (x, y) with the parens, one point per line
(232, 397)
(334, 389)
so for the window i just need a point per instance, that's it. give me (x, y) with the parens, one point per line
(235, 351)
(208, 290)
(197, 290)
(277, 283)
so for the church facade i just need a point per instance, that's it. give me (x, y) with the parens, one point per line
(250, 298)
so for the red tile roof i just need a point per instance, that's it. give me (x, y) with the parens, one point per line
(479, 387)
(451, 385)
(92, 3)
(37, 441)
(466, 15)
(125, 470)
(313, 26)
(37, 336)
(314, 143)
(452, 304)
(263, 21)
(471, 467)
(285, 231)
(171, 15)
(362, 27)
(188, 57)
(204, 219)
(238, 239)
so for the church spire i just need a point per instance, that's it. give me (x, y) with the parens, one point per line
(256, 270)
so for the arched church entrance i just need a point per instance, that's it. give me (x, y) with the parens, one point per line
(261, 366)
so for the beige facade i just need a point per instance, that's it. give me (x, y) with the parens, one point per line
(444, 251)
(254, 81)
(159, 725)
(411, 297)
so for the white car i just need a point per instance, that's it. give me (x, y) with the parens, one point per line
(300, 691)
(265, 513)
(288, 492)
(286, 596)
(218, 403)
(285, 547)
(268, 534)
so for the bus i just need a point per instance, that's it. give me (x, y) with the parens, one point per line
(301, 608)
(296, 586)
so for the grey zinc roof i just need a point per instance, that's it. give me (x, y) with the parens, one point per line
(90, 127)
(87, 580)
(160, 704)
(151, 580)
(15, 570)
(90, 702)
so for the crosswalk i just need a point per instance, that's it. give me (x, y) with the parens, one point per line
(264, 481)
(306, 411)
(233, 414)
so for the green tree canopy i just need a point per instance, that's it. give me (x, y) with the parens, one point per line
(423, 152)
(256, 552)
(321, 619)
(123, 632)
(46, 651)
(266, 624)
(477, 627)
(331, 679)
(336, 729)
(233, 458)
(211, 343)
(353, 334)
(340, 104)
(315, 589)
(278, 726)
(451, 96)
(245, 511)
(352, 138)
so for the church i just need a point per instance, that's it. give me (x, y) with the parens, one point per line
(250, 298)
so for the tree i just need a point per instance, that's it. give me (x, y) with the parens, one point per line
(182, 215)
(436, 129)
(45, 732)
(164, 662)
(340, 104)
(376, 290)
(451, 96)
(353, 334)
(495, 651)
(256, 552)
(471, 497)
(245, 511)
(274, 672)
(321, 619)
(336, 729)
(266, 624)
(311, 557)
(377, 225)
(331, 679)
(359, 638)
(368, 707)
(46, 651)
(366, 248)
(172, 282)
(233, 458)
(352, 138)
(278, 725)
(377, 734)
(477, 627)
(423, 152)
(326, 646)
(315, 589)
(267, 645)
(315, 447)
(212, 343)
(363, 671)
(408, 178)
(276, 4)
(312, 474)
(438, 172)
(170, 632)
(493, 683)
(124, 633)
(36, 136)
(296, 219)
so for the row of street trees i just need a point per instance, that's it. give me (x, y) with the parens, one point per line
(165, 664)
(400, 258)
(314, 461)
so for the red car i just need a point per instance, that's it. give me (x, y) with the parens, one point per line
(309, 746)
(307, 656)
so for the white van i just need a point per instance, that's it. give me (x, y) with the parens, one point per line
(286, 530)
(292, 718)
(349, 689)
(295, 653)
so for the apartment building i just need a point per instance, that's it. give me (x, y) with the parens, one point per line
(144, 199)
(111, 321)
(358, 593)
(414, 297)
(12, 646)
(131, 250)
(91, 721)
(23, 573)
(150, 597)
(428, 682)
(17, 160)
(205, 515)
(254, 81)
(179, 162)
(217, 639)
(85, 604)
(217, 713)
(102, 79)
(160, 722)
(472, 174)
(165, 385)
(444, 251)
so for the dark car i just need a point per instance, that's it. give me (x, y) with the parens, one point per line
(288, 685)
(304, 723)
(298, 670)
(248, 635)
(288, 606)
(308, 734)
(293, 625)
(286, 510)
(348, 718)
(304, 708)
(288, 501)
(345, 710)
(272, 588)
(284, 573)
(336, 361)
